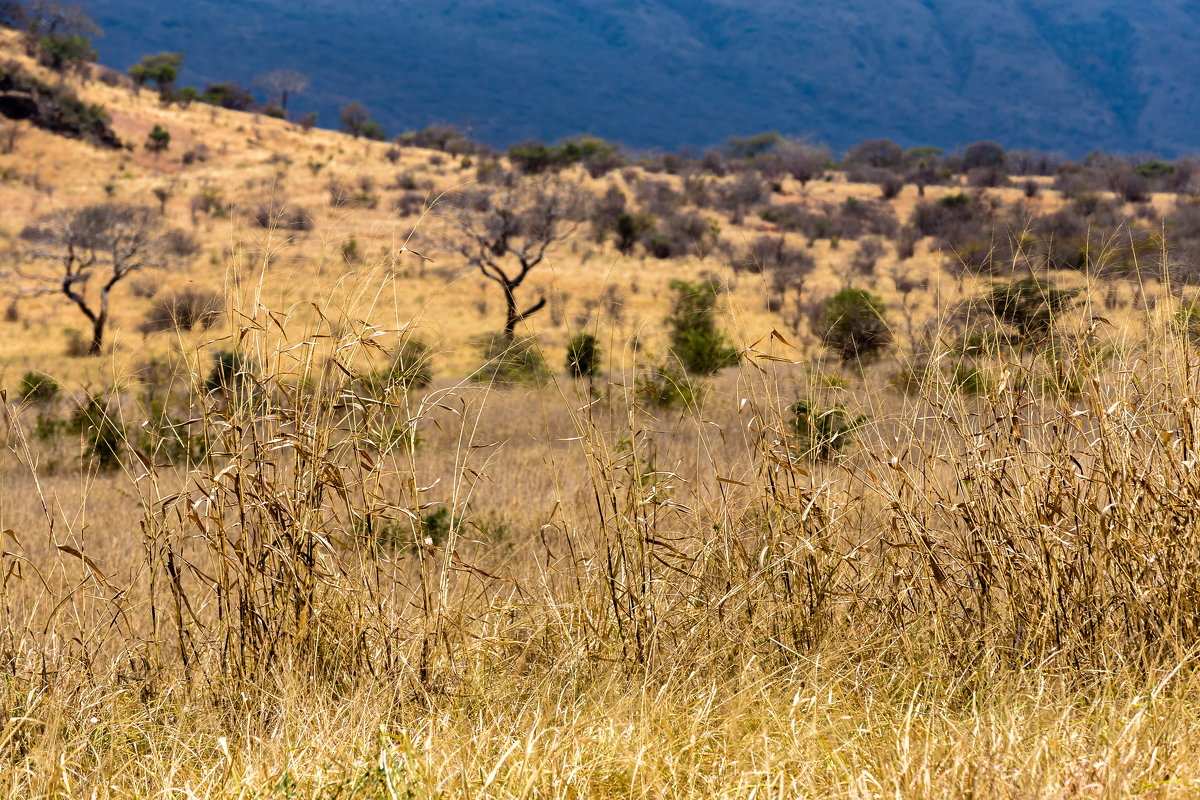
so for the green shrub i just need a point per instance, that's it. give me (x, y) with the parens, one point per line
(38, 388)
(509, 360)
(632, 227)
(158, 139)
(969, 378)
(433, 529)
(64, 53)
(583, 356)
(1154, 169)
(410, 369)
(103, 434)
(695, 340)
(823, 434)
(230, 377)
(853, 324)
(668, 386)
(1187, 322)
(47, 427)
(162, 69)
(1029, 305)
(959, 200)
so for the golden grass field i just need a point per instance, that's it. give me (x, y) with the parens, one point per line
(985, 595)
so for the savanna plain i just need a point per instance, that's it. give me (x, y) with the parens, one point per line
(777, 477)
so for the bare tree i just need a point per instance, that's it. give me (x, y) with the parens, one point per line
(49, 18)
(282, 84)
(506, 233)
(803, 161)
(111, 241)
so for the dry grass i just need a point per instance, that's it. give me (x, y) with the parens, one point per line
(987, 596)
(301, 582)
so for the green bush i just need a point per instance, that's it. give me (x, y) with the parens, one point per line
(162, 69)
(432, 528)
(535, 157)
(668, 386)
(63, 53)
(583, 356)
(508, 360)
(823, 434)
(410, 369)
(103, 434)
(38, 388)
(1029, 305)
(1187, 322)
(47, 427)
(158, 139)
(632, 227)
(230, 377)
(853, 324)
(695, 340)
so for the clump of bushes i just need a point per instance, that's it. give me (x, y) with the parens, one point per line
(511, 361)
(853, 324)
(666, 386)
(38, 388)
(583, 356)
(822, 434)
(673, 236)
(1029, 305)
(597, 156)
(103, 433)
(183, 311)
(279, 215)
(53, 108)
(410, 369)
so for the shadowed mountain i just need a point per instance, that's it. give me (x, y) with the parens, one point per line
(1073, 76)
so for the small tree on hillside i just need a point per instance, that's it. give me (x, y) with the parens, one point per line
(695, 339)
(161, 69)
(356, 121)
(983, 154)
(229, 95)
(880, 153)
(804, 162)
(158, 139)
(282, 85)
(110, 241)
(507, 233)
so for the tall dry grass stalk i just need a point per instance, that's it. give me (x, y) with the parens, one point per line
(991, 594)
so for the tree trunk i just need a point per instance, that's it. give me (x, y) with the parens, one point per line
(101, 319)
(97, 336)
(511, 316)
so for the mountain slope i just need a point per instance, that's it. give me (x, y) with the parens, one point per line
(1073, 76)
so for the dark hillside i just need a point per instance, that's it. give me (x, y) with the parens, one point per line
(1073, 76)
